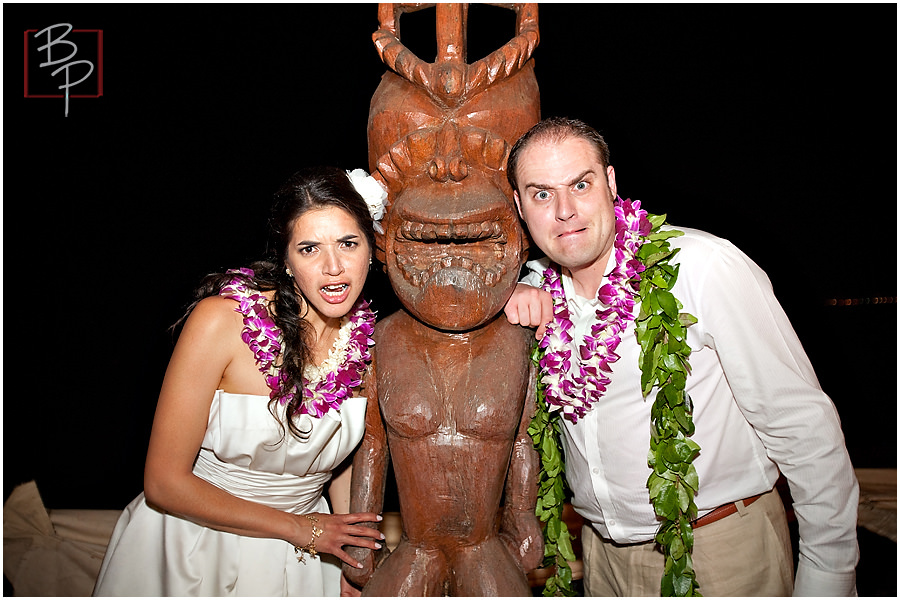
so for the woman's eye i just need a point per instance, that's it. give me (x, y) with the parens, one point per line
(350, 244)
(307, 249)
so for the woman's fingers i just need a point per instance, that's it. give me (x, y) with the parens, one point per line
(339, 530)
(361, 518)
(361, 542)
(360, 532)
(346, 558)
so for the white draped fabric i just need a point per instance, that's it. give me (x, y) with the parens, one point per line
(152, 553)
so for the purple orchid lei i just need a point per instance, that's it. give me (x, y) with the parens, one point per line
(573, 386)
(324, 388)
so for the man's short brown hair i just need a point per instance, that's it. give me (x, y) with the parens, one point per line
(555, 130)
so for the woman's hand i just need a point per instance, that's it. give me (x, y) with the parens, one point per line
(338, 531)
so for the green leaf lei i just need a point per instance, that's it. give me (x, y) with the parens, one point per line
(552, 492)
(661, 331)
(662, 334)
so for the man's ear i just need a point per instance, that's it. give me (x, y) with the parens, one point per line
(611, 180)
(518, 204)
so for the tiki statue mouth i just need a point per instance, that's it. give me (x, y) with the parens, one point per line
(475, 248)
(453, 252)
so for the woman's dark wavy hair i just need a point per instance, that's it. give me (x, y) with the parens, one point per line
(305, 190)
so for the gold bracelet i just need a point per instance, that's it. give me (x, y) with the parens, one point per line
(310, 548)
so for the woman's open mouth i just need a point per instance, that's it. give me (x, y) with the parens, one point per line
(335, 293)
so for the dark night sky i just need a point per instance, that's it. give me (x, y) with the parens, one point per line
(771, 125)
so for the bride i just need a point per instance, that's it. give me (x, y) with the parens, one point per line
(261, 402)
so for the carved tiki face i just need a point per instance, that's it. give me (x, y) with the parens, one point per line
(439, 135)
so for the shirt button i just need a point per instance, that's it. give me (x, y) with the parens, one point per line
(596, 470)
(612, 523)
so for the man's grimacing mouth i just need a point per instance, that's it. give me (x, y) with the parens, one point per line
(570, 232)
(474, 241)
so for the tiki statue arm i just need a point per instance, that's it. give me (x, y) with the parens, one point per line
(520, 528)
(367, 485)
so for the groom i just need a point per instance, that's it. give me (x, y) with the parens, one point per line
(757, 405)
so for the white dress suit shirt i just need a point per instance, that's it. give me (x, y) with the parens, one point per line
(758, 408)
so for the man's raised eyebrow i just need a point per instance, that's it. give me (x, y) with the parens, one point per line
(576, 179)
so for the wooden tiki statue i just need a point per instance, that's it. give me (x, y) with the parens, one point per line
(453, 388)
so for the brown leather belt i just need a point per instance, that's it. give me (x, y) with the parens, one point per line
(722, 512)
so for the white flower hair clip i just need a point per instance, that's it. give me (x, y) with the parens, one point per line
(372, 192)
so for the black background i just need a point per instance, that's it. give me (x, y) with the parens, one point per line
(771, 125)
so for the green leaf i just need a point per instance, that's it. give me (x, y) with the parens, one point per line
(671, 395)
(653, 297)
(684, 499)
(691, 478)
(647, 250)
(687, 449)
(671, 362)
(675, 329)
(654, 259)
(667, 588)
(686, 319)
(657, 351)
(656, 221)
(670, 475)
(554, 471)
(656, 484)
(565, 546)
(682, 585)
(671, 454)
(667, 302)
(676, 548)
(553, 529)
(694, 447)
(549, 451)
(688, 534)
(667, 499)
(659, 281)
(648, 376)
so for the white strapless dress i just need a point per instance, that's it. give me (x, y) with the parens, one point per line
(152, 553)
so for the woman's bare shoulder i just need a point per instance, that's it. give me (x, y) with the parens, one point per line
(214, 315)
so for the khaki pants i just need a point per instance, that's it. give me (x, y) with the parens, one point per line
(747, 553)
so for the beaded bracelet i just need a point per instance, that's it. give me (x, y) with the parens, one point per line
(310, 548)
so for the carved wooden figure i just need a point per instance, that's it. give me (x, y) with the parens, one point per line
(454, 389)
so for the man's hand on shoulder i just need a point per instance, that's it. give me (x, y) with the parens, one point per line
(530, 307)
